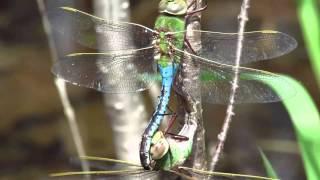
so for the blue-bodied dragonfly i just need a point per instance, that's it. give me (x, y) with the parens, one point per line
(131, 65)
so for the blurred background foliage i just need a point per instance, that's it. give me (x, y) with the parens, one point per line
(35, 139)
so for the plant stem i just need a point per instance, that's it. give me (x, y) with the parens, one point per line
(188, 80)
(61, 87)
(243, 17)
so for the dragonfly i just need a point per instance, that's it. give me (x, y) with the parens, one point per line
(142, 56)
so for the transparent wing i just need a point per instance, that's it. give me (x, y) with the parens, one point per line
(203, 174)
(116, 169)
(257, 45)
(118, 72)
(113, 172)
(95, 32)
(253, 87)
(108, 174)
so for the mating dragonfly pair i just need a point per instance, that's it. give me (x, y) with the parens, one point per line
(130, 55)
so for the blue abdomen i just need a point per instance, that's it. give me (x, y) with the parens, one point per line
(167, 74)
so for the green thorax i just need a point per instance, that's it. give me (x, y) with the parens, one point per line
(167, 23)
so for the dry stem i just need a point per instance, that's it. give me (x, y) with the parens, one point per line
(243, 17)
(68, 109)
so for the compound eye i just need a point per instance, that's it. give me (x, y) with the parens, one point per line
(174, 7)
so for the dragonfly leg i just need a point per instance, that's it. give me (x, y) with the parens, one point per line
(171, 111)
(187, 43)
(165, 114)
(177, 136)
(174, 136)
(171, 122)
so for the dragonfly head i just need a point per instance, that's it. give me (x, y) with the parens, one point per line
(159, 146)
(173, 7)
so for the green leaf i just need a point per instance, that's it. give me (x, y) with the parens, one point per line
(270, 171)
(309, 17)
(306, 121)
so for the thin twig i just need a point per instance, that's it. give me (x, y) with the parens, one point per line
(243, 17)
(61, 87)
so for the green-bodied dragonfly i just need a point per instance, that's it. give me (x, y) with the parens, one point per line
(131, 64)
